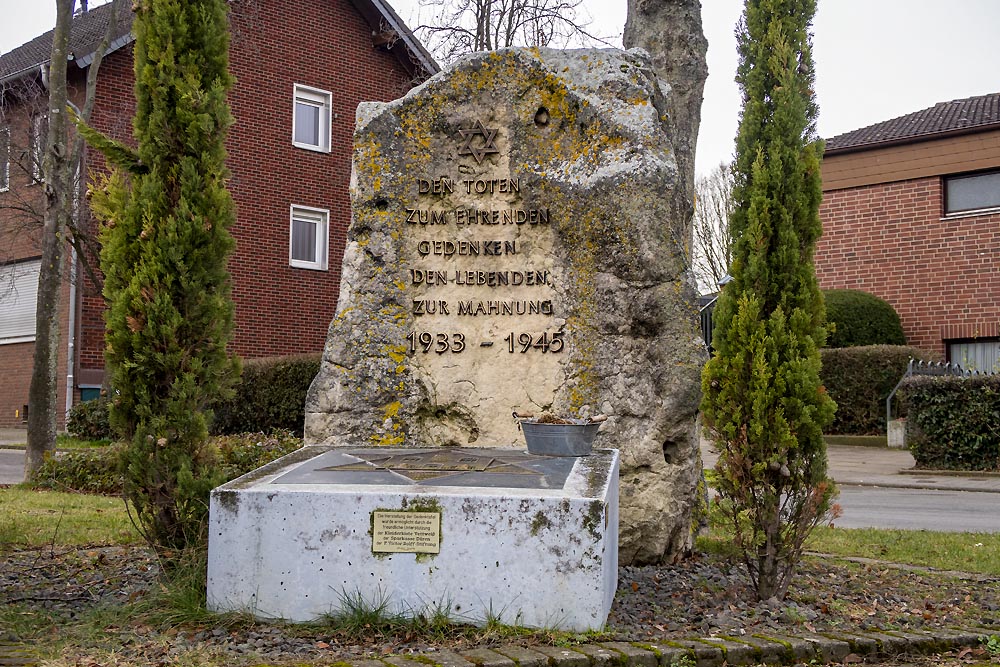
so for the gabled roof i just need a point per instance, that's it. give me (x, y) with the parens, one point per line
(973, 114)
(86, 33)
(88, 30)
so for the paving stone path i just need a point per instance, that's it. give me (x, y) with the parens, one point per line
(14, 654)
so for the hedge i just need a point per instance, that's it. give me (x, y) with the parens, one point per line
(89, 420)
(859, 318)
(953, 422)
(859, 379)
(98, 470)
(271, 394)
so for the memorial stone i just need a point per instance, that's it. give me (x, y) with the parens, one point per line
(515, 247)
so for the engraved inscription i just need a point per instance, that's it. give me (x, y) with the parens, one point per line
(465, 286)
(406, 532)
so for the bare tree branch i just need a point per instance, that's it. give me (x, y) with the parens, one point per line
(457, 27)
(712, 242)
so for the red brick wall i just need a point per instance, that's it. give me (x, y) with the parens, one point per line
(15, 365)
(324, 44)
(940, 274)
(21, 208)
(280, 310)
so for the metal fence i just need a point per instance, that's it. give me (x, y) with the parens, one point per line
(933, 368)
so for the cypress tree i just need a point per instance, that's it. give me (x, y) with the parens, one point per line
(165, 242)
(763, 401)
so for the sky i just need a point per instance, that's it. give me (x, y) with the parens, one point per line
(875, 59)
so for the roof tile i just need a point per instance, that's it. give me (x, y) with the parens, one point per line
(964, 114)
(87, 32)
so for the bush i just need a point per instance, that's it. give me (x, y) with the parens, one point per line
(952, 421)
(239, 454)
(95, 471)
(271, 394)
(99, 470)
(89, 420)
(859, 318)
(859, 379)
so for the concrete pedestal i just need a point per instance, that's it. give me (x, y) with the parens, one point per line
(896, 434)
(525, 539)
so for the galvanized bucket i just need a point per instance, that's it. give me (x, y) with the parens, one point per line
(573, 439)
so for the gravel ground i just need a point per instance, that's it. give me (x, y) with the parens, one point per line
(702, 596)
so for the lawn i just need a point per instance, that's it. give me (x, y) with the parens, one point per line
(38, 518)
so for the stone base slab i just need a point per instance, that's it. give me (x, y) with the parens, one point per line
(285, 542)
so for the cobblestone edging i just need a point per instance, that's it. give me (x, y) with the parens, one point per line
(826, 648)
(700, 652)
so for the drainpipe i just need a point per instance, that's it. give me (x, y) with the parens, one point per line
(71, 334)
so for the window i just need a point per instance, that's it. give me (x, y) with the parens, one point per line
(18, 294)
(971, 192)
(979, 355)
(36, 141)
(311, 119)
(4, 159)
(307, 246)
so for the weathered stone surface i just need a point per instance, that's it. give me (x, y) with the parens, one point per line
(572, 146)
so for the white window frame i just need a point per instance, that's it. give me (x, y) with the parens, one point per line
(18, 290)
(323, 99)
(321, 217)
(5, 163)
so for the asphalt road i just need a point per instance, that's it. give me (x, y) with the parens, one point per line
(11, 466)
(919, 509)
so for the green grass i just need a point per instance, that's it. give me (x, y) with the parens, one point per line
(66, 441)
(965, 552)
(857, 440)
(36, 518)
(962, 552)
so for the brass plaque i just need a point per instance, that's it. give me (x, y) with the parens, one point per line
(406, 532)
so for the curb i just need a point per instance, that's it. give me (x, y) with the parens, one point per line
(917, 486)
(758, 649)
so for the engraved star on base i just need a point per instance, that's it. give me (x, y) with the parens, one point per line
(480, 151)
(425, 466)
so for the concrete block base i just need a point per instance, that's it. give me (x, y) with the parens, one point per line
(523, 539)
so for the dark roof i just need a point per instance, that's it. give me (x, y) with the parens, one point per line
(972, 114)
(86, 34)
(88, 30)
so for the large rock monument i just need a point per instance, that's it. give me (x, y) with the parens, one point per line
(514, 247)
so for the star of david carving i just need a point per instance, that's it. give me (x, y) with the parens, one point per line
(424, 466)
(480, 150)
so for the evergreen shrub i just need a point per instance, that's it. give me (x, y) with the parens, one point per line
(858, 318)
(271, 394)
(763, 402)
(165, 243)
(89, 420)
(859, 379)
(953, 422)
(99, 470)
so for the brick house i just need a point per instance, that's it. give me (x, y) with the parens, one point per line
(911, 213)
(301, 69)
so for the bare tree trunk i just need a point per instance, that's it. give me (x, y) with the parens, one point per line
(60, 167)
(43, 392)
